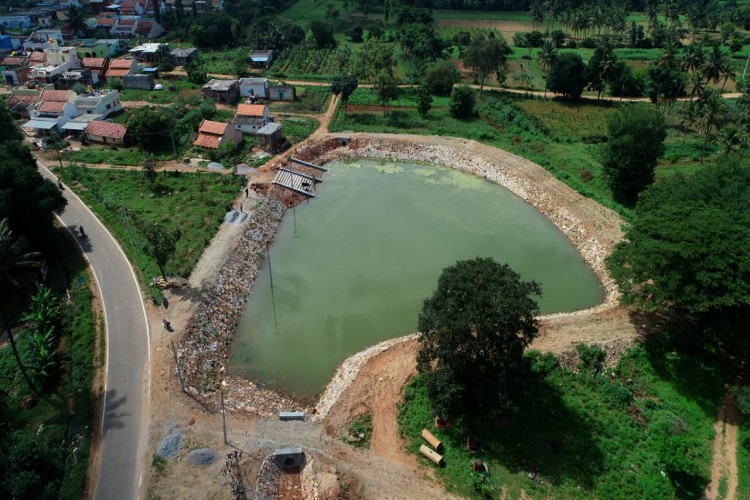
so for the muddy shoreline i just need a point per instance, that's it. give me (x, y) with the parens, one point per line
(206, 343)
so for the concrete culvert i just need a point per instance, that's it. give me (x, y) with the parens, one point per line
(202, 457)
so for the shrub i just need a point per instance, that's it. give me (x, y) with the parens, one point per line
(462, 102)
(590, 358)
(589, 43)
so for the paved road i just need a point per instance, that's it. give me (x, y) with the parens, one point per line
(125, 414)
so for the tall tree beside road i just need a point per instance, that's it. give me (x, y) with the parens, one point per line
(163, 244)
(484, 56)
(344, 86)
(547, 58)
(424, 99)
(474, 330)
(441, 77)
(386, 88)
(462, 102)
(635, 142)
(27, 199)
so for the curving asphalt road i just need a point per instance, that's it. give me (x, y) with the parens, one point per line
(125, 414)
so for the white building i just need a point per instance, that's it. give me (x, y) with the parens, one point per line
(59, 61)
(40, 39)
(254, 87)
(99, 102)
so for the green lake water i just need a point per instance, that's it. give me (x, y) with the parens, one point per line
(367, 252)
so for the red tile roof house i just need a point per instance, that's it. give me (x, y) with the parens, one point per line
(251, 117)
(15, 69)
(120, 68)
(217, 135)
(98, 65)
(106, 133)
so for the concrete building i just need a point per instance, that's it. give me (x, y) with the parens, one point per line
(139, 82)
(221, 91)
(16, 21)
(84, 76)
(282, 93)
(260, 58)
(40, 40)
(181, 57)
(16, 69)
(59, 60)
(254, 87)
(149, 53)
(251, 117)
(99, 102)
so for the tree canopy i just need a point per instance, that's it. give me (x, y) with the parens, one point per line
(635, 142)
(484, 56)
(462, 102)
(474, 330)
(568, 75)
(689, 246)
(27, 199)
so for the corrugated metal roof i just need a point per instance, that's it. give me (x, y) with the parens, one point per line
(79, 126)
(40, 124)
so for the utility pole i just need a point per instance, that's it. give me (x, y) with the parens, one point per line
(223, 410)
(273, 295)
(294, 213)
(174, 149)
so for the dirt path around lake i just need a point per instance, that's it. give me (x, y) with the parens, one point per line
(724, 461)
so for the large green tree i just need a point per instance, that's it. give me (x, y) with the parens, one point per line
(635, 142)
(689, 245)
(345, 87)
(462, 102)
(568, 76)
(163, 244)
(484, 56)
(441, 77)
(152, 128)
(27, 199)
(474, 330)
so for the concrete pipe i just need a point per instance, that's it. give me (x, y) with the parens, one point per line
(431, 454)
(434, 442)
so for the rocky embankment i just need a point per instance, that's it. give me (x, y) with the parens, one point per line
(203, 351)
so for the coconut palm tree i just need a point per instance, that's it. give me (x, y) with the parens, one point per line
(713, 113)
(547, 58)
(696, 86)
(668, 58)
(714, 66)
(19, 271)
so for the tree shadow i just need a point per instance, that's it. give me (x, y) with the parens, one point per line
(112, 415)
(546, 438)
(678, 352)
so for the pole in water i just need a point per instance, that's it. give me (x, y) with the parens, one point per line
(273, 295)
(294, 213)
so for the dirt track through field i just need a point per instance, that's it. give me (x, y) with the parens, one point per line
(724, 462)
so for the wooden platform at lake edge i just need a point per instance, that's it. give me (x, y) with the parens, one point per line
(299, 183)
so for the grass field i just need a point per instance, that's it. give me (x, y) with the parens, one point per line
(641, 430)
(299, 129)
(182, 88)
(743, 460)
(194, 203)
(111, 156)
(311, 100)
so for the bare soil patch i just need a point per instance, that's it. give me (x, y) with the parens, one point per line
(507, 28)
